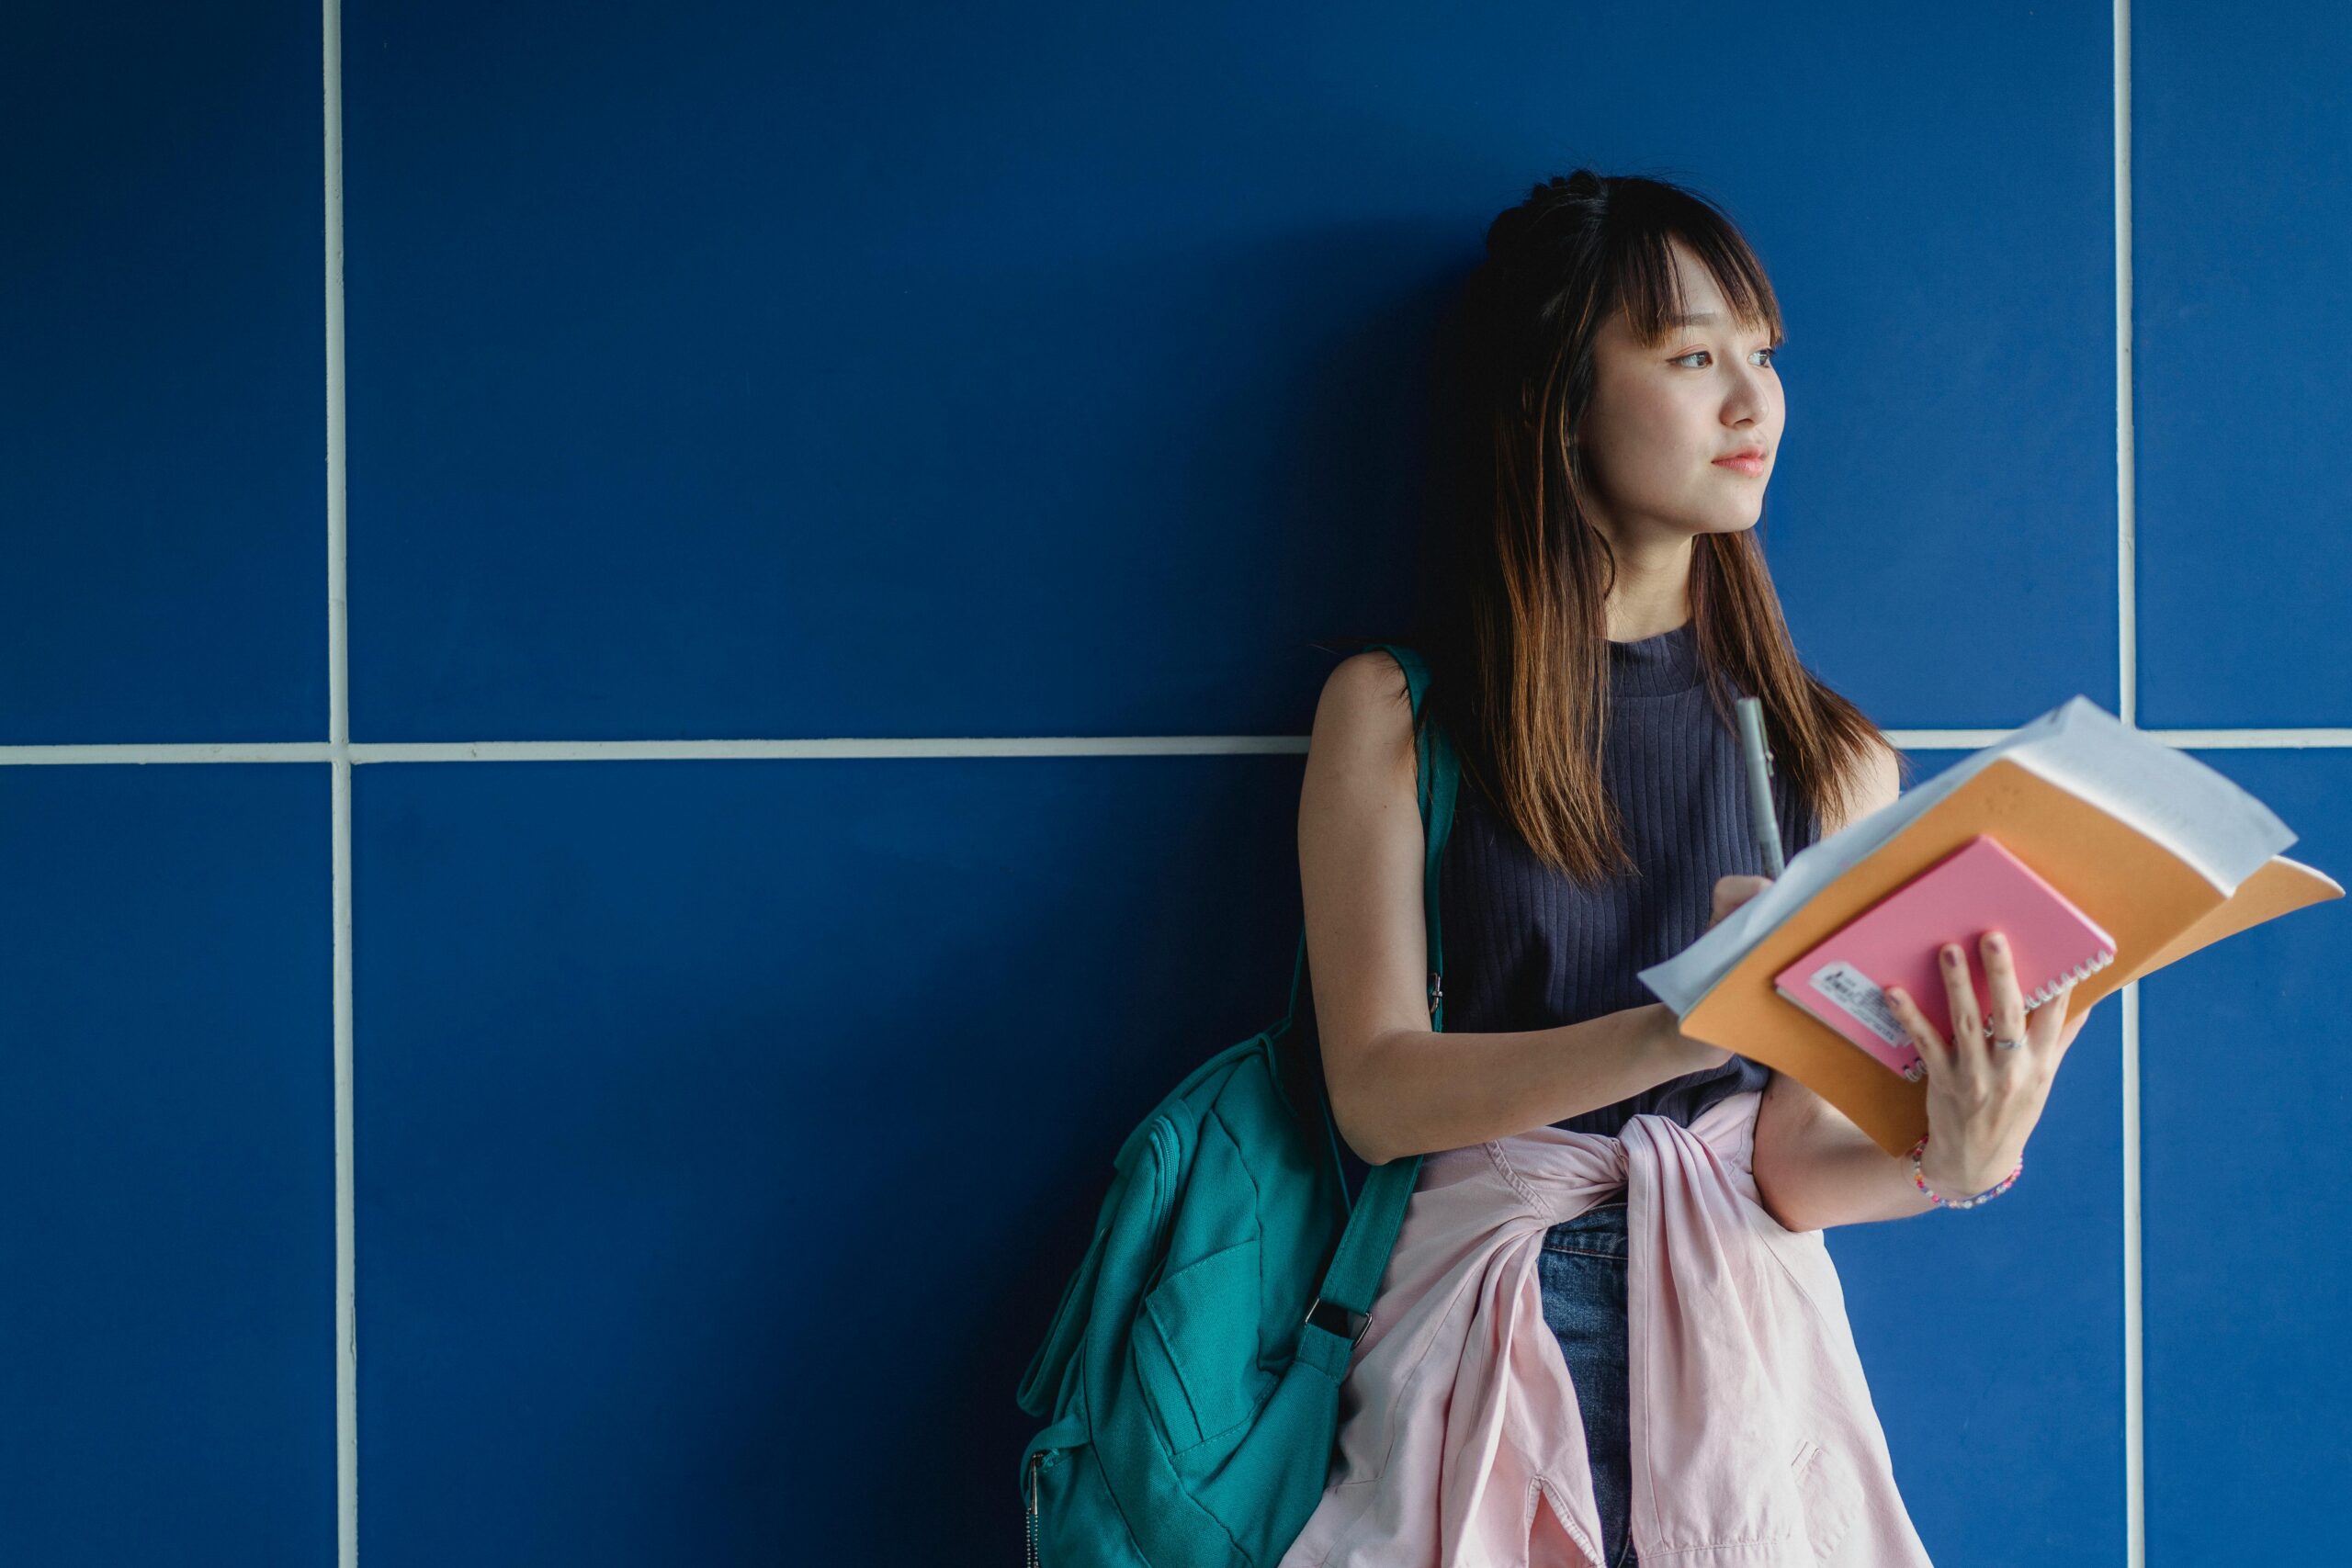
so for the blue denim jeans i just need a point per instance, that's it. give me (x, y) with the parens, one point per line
(1583, 1272)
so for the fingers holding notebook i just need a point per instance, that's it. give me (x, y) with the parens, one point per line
(1984, 1098)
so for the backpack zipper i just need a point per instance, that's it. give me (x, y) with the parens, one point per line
(1035, 1460)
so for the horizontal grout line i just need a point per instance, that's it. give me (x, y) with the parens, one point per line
(940, 746)
(2186, 739)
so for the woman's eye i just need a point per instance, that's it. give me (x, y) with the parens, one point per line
(1696, 352)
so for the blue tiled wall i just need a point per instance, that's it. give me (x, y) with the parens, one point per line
(726, 1127)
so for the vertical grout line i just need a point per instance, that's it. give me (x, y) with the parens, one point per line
(2126, 545)
(347, 1314)
(2127, 494)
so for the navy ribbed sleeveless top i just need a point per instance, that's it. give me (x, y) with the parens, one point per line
(1528, 948)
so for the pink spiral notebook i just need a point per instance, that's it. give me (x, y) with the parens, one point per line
(1978, 887)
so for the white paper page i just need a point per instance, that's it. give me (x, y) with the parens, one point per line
(2218, 828)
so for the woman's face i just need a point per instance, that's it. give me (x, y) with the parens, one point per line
(1661, 416)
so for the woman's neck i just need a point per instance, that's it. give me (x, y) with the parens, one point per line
(1634, 622)
(1653, 591)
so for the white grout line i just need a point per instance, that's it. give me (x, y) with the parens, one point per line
(338, 753)
(2127, 624)
(358, 753)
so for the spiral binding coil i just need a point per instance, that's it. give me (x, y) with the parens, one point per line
(2079, 973)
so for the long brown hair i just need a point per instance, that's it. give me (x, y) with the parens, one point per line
(1516, 638)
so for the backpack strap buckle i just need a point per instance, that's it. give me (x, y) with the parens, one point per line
(1334, 1320)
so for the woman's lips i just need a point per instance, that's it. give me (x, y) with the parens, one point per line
(1752, 466)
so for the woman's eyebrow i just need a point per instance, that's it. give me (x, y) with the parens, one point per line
(1700, 319)
(1703, 318)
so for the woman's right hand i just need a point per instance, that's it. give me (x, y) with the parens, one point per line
(1679, 1050)
(1731, 892)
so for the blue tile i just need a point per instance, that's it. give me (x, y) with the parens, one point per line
(163, 403)
(725, 1132)
(810, 372)
(167, 1146)
(2246, 1278)
(2239, 132)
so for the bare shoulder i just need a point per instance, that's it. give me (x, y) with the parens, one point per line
(1365, 699)
(1360, 760)
(1875, 783)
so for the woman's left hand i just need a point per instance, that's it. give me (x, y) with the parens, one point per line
(1984, 1101)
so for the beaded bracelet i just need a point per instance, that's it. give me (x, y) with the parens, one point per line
(1920, 1181)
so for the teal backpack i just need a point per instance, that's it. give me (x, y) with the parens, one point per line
(1190, 1379)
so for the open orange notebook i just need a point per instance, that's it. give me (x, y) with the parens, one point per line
(2156, 902)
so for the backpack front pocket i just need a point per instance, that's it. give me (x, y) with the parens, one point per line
(1197, 1346)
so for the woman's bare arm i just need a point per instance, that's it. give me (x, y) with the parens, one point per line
(1399, 1089)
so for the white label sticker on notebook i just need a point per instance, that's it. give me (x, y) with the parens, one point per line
(1854, 991)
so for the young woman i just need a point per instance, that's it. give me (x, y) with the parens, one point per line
(1609, 601)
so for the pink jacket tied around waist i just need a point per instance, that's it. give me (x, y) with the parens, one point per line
(1754, 1439)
